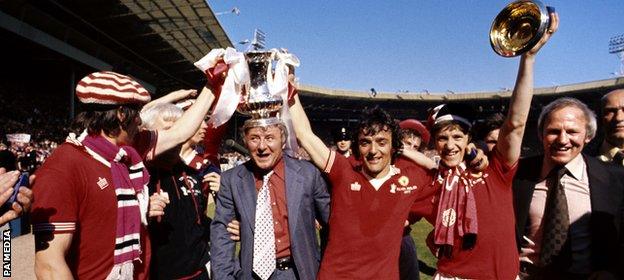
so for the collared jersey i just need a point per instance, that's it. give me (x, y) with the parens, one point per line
(75, 194)
(367, 224)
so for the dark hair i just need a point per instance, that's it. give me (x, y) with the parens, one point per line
(481, 129)
(409, 133)
(98, 119)
(373, 121)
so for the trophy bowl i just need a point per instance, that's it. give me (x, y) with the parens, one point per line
(258, 102)
(518, 27)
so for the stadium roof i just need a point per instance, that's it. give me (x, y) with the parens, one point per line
(156, 41)
(327, 104)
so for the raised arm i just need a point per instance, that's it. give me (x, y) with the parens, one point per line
(512, 131)
(187, 125)
(319, 153)
(171, 97)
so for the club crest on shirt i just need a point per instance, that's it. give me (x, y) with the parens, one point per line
(403, 181)
(356, 186)
(102, 183)
(448, 217)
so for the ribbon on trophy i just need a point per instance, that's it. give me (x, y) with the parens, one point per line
(279, 85)
(219, 61)
(237, 77)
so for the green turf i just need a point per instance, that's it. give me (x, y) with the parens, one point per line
(419, 233)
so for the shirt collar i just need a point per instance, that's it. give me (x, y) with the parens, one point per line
(393, 171)
(278, 170)
(607, 151)
(576, 167)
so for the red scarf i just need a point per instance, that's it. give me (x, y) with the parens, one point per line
(457, 211)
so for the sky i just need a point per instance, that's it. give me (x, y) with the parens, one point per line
(423, 45)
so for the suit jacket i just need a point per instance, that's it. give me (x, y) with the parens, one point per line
(306, 197)
(607, 210)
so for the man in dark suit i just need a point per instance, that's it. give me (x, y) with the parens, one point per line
(568, 206)
(297, 194)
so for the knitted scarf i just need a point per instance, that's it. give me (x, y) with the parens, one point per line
(457, 212)
(130, 179)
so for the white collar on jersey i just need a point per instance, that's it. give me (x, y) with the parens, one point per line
(377, 182)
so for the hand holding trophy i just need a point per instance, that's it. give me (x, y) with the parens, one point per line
(522, 25)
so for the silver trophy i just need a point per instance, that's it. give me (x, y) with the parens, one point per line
(257, 100)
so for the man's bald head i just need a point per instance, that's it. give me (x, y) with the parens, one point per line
(612, 117)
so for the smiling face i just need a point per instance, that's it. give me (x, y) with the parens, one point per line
(564, 135)
(265, 145)
(613, 118)
(376, 152)
(451, 143)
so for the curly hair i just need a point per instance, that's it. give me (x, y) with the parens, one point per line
(373, 121)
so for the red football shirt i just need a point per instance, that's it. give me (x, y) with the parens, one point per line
(75, 194)
(366, 225)
(495, 255)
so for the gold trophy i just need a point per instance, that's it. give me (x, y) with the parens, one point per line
(519, 26)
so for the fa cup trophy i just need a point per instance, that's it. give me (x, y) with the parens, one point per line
(258, 101)
(519, 26)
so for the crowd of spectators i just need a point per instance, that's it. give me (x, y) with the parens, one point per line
(24, 110)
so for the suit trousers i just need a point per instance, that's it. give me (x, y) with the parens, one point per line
(408, 259)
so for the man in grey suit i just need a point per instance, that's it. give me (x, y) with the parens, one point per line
(296, 195)
(569, 207)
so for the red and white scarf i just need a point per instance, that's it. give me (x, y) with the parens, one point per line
(457, 211)
(130, 179)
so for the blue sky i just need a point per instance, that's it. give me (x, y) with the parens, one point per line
(415, 45)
